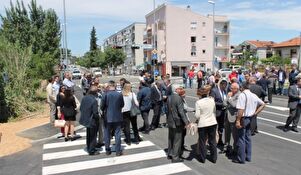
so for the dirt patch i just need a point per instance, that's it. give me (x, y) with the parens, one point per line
(10, 142)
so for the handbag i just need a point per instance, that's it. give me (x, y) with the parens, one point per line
(192, 130)
(134, 108)
(59, 123)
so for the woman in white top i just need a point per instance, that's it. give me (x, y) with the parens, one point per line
(128, 96)
(206, 120)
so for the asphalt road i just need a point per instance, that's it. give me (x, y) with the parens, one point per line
(274, 152)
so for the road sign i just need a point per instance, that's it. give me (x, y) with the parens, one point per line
(154, 51)
(154, 56)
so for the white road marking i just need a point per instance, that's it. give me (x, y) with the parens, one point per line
(274, 121)
(67, 144)
(84, 134)
(81, 152)
(278, 108)
(279, 137)
(162, 170)
(83, 165)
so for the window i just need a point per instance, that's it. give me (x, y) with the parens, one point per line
(204, 24)
(193, 25)
(193, 39)
(193, 50)
(204, 37)
(204, 51)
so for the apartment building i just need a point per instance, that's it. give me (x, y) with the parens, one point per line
(130, 39)
(183, 39)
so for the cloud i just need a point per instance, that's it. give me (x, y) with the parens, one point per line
(243, 5)
(269, 18)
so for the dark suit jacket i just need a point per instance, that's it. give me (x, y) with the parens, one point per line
(88, 109)
(218, 100)
(293, 97)
(284, 74)
(112, 103)
(144, 98)
(257, 90)
(155, 95)
(176, 114)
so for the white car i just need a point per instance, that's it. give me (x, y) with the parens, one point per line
(224, 72)
(76, 74)
(97, 73)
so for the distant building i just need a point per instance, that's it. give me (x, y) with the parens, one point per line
(288, 49)
(183, 38)
(130, 39)
(259, 49)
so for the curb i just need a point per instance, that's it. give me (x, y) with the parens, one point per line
(55, 136)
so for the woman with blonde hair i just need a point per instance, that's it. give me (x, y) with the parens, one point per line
(206, 120)
(129, 99)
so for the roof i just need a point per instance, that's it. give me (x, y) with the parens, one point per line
(290, 43)
(258, 43)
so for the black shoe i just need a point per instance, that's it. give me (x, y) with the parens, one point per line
(72, 138)
(99, 145)
(286, 129)
(66, 139)
(169, 157)
(236, 161)
(145, 132)
(152, 127)
(295, 129)
(140, 139)
(141, 129)
(128, 143)
(177, 160)
(94, 153)
(119, 153)
(256, 131)
(108, 153)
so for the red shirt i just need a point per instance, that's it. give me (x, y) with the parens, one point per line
(232, 75)
(191, 74)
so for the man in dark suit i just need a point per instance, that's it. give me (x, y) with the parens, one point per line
(112, 103)
(260, 93)
(281, 74)
(156, 99)
(292, 75)
(219, 94)
(294, 103)
(144, 99)
(89, 117)
(177, 120)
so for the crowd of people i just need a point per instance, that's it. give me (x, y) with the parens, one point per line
(225, 113)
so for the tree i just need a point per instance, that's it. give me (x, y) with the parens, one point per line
(276, 60)
(114, 57)
(93, 40)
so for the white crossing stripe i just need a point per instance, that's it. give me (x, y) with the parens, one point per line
(269, 120)
(83, 165)
(162, 170)
(80, 152)
(279, 137)
(64, 144)
(84, 134)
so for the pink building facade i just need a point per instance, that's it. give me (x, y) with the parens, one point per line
(184, 39)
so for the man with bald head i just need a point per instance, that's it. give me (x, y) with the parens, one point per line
(231, 102)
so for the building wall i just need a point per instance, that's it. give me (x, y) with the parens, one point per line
(286, 52)
(261, 53)
(174, 38)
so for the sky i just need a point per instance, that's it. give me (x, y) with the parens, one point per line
(272, 20)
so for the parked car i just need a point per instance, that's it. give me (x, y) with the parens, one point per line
(97, 73)
(225, 71)
(76, 74)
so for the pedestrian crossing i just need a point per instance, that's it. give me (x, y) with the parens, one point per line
(145, 158)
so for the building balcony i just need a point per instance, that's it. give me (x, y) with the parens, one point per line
(222, 47)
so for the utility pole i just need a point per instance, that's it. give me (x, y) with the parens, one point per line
(65, 34)
(300, 53)
(213, 25)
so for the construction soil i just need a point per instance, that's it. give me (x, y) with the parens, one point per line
(10, 143)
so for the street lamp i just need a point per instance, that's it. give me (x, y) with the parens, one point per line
(213, 25)
(65, 33)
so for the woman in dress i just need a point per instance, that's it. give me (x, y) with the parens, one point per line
(68, 107)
